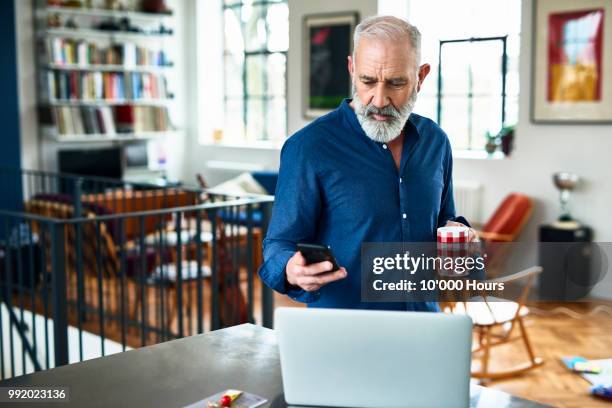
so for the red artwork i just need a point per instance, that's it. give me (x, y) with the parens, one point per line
(575, 44)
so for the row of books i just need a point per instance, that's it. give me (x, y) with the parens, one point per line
(106, 85)
(105, 120)
(69, 51)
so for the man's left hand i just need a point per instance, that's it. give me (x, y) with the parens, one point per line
(472, 234)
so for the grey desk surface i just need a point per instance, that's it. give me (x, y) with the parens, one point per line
(180, 372)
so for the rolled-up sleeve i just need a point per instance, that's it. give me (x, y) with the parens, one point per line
(295, 216)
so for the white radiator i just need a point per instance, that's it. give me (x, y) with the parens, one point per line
(468, 197)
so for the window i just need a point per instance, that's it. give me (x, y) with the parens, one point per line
(255, 63)
(472, 70)
(471, 98)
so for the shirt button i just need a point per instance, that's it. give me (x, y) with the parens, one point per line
(401, 180)
(384, 146)
(404, 215)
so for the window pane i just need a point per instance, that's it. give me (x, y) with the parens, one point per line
(486, 65)
(255, 120)
(455, 69)
(511, 110)
(455, 121)
(255, 31)
(472, 68)
(234, 43)
(277, 17)
(255, 75)
(486, 117)
(233, 75)
(512, 78)
(426, 105)
(234, 123)
(276, 120)
(467, 121)
(276, 68)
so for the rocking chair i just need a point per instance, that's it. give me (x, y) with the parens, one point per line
(495, 320)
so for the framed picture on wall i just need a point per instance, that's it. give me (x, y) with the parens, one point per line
(328, 41)
(572, 61)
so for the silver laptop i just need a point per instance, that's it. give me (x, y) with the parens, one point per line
(363, 358)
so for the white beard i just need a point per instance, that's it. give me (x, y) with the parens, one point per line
(383, 131)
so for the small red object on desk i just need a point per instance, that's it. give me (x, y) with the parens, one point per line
(226, 401)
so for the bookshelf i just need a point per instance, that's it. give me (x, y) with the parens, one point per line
(79, 33)
(108, 102)
(104, 75)
(118, 137)
(107, 67)
(100, 12)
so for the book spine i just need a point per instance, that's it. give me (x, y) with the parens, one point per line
(110, 123)
(82, 53)
(85, 118)
(93, 119)
(62, 85)
(100, 121)
(60, 121)
(51, 85)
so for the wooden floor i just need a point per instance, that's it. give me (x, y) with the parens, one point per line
(554, 334)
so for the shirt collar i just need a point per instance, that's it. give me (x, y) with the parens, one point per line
(410, 128)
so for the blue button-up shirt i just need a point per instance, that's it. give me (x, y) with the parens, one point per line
(338, 187)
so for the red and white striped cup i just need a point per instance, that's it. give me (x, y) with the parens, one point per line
(453, 234)
(452, 243)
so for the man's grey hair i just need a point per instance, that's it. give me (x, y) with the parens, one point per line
(388, 28)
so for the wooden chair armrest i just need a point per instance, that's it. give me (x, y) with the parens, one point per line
(494, 236)
(534, 270)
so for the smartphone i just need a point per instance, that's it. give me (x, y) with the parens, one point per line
(314, 253)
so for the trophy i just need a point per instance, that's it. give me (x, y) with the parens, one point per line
(565, 183)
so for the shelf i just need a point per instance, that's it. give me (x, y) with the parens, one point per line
(93, 12)
(108, 67)
(84, 32)
(109, 102)
(118, 137)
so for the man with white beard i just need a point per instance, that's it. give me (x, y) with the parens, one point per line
(370, 171)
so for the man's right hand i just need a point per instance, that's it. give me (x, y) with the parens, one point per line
(311, 277)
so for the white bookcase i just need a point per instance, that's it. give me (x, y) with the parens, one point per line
(91, 70)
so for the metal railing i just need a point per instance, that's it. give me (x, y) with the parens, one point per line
(91, 266)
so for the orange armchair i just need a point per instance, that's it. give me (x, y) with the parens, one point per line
(508, 220)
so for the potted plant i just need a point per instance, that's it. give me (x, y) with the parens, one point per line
(492, 142)
(506, 135)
